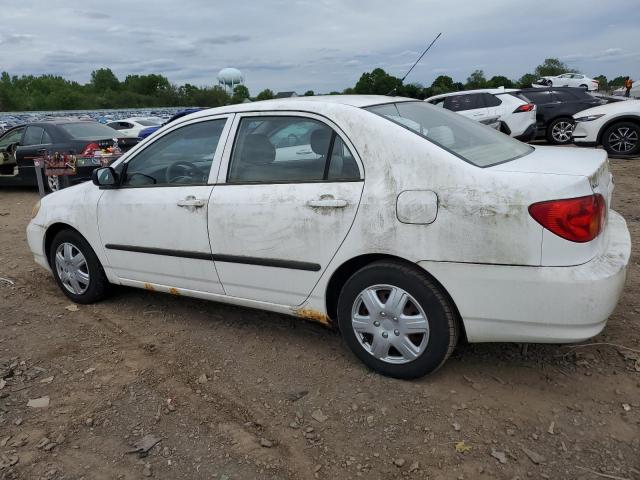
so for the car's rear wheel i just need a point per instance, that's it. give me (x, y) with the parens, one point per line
(53, 183)
(397, 320)
(559, 131)
(622, 138)
(584, 86)
(76, 268)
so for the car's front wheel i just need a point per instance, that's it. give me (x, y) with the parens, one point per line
(622, 138)
(76, 268)
(559, 131)
(397, 320)
(53, 183)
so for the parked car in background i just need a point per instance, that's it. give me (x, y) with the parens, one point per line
(133, 126)
(21, 144)
(577, 80)
(517, 116)
(615, 126)
(144, 133)
(406, 225)
(555, 109)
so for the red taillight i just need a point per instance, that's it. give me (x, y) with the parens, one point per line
(576, 219)
(527, 107)
(89, 149)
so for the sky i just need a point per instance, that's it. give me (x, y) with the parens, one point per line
(319, 45)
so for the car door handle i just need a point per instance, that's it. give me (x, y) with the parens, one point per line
(327, 202)
(192, 202)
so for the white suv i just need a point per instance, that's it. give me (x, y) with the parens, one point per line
(516, 115)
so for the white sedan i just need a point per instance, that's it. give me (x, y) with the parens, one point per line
(577, 80)
(132, 126)
(408, 227)
(615, 126)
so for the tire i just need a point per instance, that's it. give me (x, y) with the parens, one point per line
(549, 83)
(434, 324)
(52, 183)
(622, 138)
(66, 246)
(586, 88)
(559, 131)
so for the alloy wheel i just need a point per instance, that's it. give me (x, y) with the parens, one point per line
(390, 324)
(72, 268)
(53, 182)
(562, 131)
(623, 139)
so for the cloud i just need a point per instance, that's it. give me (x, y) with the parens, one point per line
(322, 45)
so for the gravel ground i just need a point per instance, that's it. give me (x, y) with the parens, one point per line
(231, 393)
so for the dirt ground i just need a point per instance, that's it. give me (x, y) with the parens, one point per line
(233, 393)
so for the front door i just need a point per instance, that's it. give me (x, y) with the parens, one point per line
(286, 197)
(154, 227)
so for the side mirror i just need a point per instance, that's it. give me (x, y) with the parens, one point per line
(105, 177)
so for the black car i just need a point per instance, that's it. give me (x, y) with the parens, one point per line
(556, 106)
(21, 144)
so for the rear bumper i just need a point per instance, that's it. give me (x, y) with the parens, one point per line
(539, 304)
(529, 134)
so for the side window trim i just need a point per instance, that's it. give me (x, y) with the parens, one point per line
(233, 134)
(215, 164)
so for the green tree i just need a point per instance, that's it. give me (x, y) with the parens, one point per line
(240, 94)
(603, 84)
(527, 80)
(442, 84)
(498, 81)
(309, 93)
(476, 80)
(377, 82)
(104, 79)
(265, 94)
(617, 82)
(552, 67)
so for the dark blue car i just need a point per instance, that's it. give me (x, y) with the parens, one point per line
(144, 133)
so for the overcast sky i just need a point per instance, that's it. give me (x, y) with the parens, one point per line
(321, 45)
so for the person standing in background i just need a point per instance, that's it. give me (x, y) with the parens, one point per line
(628, 83)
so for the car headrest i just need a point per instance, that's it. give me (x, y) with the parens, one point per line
(257, 150)
(320, 141)
(442, 135)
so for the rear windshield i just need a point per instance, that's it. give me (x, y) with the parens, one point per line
(472, 142)
(89, 131)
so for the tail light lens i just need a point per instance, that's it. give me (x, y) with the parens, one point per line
(527, 107)
(89, 149)
(575, 219)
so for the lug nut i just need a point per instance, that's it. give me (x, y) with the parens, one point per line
(385, 334)
(382, 314)
(395, 319)
(376, 323)
(396, 332)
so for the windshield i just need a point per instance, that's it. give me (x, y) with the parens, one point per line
(89, 131)
(474, 143)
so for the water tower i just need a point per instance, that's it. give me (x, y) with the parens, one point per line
(229, 78)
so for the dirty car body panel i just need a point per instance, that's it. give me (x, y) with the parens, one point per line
(431, 196)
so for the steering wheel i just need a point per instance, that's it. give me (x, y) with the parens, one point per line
(189, 172)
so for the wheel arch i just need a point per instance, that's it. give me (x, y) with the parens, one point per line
(340, 276)
(50, 234)
(613, 121)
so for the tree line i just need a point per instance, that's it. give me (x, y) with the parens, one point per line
(105, 90)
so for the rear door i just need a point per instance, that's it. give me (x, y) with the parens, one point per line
(154, 227)
(470, 105)
(280, 212)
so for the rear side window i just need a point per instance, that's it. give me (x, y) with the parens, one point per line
(465, 138)
(33, 136)
(460, 103)
(13, 136)
(89, 131)
(283, 149)
(491, 100)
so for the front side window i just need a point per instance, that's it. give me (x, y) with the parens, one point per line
(13, 136)
(288, 149)
(183, 156)
(465, 138)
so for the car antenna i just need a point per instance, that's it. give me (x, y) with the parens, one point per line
(393, 91)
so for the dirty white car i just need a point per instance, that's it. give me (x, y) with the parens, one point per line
(408, 227)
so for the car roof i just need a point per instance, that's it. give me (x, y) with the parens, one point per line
(307, 103)
(493, 91)
(546, 89)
